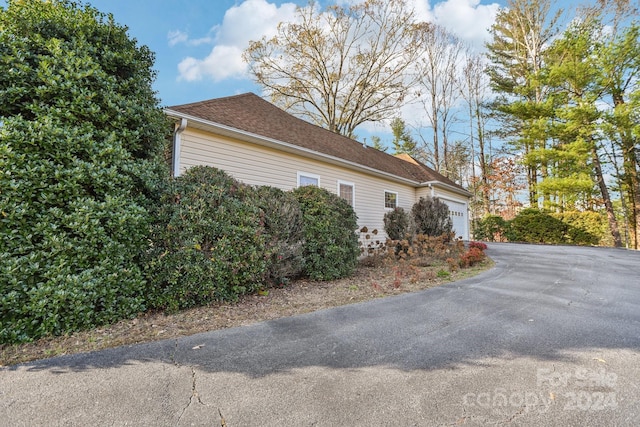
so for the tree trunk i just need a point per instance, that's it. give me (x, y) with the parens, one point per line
(484, 170)
(631, 179)
(613, 223)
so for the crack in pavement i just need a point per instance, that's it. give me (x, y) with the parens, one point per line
(223, 423)
(515, 415)
(194, 389)
(194, 394)
(173, 355)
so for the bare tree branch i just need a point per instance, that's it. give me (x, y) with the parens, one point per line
(340, 67)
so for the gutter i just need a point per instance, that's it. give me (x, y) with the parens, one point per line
(175, 152)
(449, 187)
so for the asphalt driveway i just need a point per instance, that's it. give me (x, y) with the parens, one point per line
(550, 336)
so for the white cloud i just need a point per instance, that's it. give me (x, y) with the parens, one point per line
(250, 20)
(176, 37)
(180, 37)
(222, 63)
(422, 10)
(254, 19)
(468, 19)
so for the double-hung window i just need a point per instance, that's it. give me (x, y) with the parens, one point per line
(390, 199)
(346, 190)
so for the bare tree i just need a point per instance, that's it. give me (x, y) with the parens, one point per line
(437, 92)
(342, 66)
(475, 91)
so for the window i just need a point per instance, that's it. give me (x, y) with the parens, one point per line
(346, 191)
(305, 178)
(390, 199)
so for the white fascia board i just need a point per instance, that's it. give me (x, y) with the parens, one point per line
(231, 132)
(448, 187)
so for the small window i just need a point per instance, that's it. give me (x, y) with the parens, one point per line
(346, 191)
(390, 200)
(308, 179)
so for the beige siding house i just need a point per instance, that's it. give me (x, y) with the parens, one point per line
(260, 144)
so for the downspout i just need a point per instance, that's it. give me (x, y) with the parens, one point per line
(175, 154)
(433, 192)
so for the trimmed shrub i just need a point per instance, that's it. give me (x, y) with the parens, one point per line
(331, 243)
(396, 224)
(585, 228)
(208, 244)
(535, 226)
(284, 236)
(431, 217)
(491, 228)
(81, 135)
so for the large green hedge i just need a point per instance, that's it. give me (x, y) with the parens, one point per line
(208, 243)
(80, 136)
(281, 218)
(331, 245)
(584, 228)
(536, 226)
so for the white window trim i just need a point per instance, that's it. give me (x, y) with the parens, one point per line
(353, 190)
(384, 199)
(308, 175)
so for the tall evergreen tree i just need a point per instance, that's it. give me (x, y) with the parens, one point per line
(520, 36)
(576, 157)
(618, 59)
(402, 142)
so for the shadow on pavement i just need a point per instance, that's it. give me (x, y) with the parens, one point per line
(537, 302)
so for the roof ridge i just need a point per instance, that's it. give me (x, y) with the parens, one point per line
(210, 100)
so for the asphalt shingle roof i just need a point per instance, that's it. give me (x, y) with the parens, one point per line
(250, 113)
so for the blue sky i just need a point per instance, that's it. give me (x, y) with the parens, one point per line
(198, 42)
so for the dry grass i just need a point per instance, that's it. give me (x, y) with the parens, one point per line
(299, 297)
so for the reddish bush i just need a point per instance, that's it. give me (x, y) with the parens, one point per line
(472, 256)
(478, 245)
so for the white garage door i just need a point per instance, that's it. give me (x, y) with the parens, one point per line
(458, 214)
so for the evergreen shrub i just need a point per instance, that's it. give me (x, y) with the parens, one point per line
(431, 217)
(284, 235)
(536, 226)
(396, 224)
(491, 228)
(585, 228)
(81, 135)
(208, 243)
(330, 241)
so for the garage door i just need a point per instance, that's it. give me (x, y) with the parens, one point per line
(458, 215)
